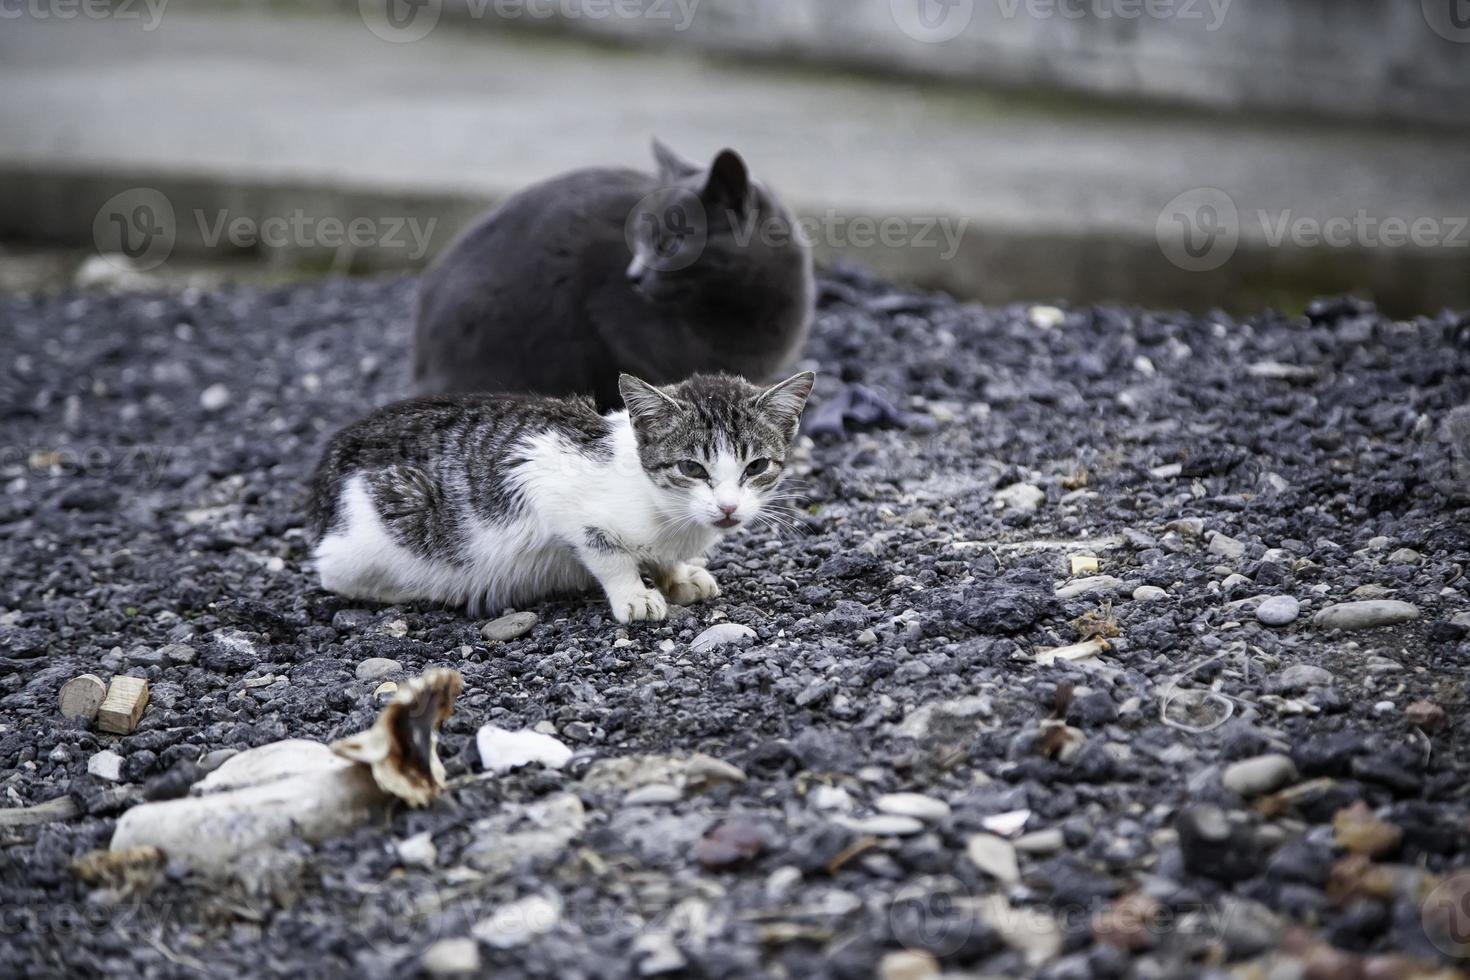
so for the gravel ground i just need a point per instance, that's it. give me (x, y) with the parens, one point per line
(898, 696)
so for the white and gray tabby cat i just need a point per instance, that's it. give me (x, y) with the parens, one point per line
(492, 500)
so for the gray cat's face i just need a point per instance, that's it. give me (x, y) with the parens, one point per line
(701, 228)
(715, 447)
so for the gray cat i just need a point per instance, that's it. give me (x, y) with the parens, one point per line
(494, 501)
(600, 272)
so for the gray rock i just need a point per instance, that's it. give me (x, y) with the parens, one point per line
(451, 958)
(1087, 586)
(509, 627)
(1404, 556)
(721, 634)
(377, 668)
(1279, 610)
(1020, 498)
(1226, 547)
(179, 653)
(518, 923)
(1366, 614)
(915, 805)
(106, 765)
(1301, 677)
(1259, 776)
(1149, 593)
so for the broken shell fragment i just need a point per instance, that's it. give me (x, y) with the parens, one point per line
(402, 747)
(300, 788)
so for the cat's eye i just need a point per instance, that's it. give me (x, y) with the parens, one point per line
(693, 470)
(756, 468)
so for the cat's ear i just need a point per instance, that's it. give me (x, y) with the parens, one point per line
(645, 403)
(671, 166)
(728, 184)
(784, 402)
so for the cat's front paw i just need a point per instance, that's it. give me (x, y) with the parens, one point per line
(639, 606)
(690, 584)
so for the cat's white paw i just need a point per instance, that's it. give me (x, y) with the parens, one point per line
(639, 606)
(690, 584)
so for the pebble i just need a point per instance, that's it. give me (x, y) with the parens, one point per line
(376, 668)
(1226, 547)
(654, 794)
(179, 653)
(883, 826)
(721, 634)
(867, 638)
(1087, 586)
(908, 965)
(995, 856)
(1259, 776)
(1404, 556)
(214, 398)
(509, 627)
(106, 765)
(518, 923)
(502, 750)
(1048, 841)
(418, 851)
(916, 805)
(1279, 610)
(1020, 498)
(1366, 615)
(452, 958)
(1301, 677)
(1149, 593)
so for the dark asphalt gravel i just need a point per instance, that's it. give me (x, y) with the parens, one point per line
(155, 450)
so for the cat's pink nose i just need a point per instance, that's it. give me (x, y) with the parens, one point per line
(728, 509)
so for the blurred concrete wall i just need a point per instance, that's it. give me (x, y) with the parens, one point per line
(1404, 60)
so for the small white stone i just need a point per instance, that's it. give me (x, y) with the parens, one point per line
(1149, 593)
(1226, 547)
(517, 923)
(214, 398)
(452, 958)
(995, 856)
(884, 826)
(1023, 498)
(1384, 708)
(375, 668)
(720, 635)
(1006, 824)
(502, 750)
(106, 765)
(1046, 317)
(916, 805)
(418, 851)
(825, 797)
(654, 794)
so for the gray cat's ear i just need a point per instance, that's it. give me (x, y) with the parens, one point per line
(784, 402)
(644, 402)
(671, 166)
(728, 184)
